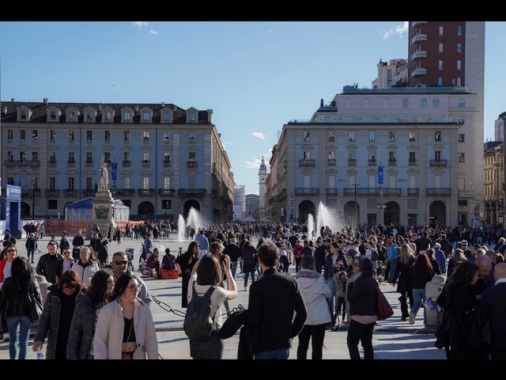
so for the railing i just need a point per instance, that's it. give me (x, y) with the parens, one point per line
(70, 192)
(438, 162)
(71, 164)
(331, 191)
(372, 162)
(52, 193)
(88, 192)
(331, 162)
(412, 162)
(53, 164)
(307, 162)
(192, 164)
(88, 164)
(127, 163)
(438, 192)
(191, 192)
(22, 163)
(167, 163)
(34, 163)
(146, 192)
(10, 163)
(307, 191)
(145, 163)
(413, 191)
(352, 162)
(169, 192)
(125, 192)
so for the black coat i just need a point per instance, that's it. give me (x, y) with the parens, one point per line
(404, 276)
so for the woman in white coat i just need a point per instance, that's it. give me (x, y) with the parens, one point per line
(315, 293)
(125, 328)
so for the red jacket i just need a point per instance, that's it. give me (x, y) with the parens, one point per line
(297, 250)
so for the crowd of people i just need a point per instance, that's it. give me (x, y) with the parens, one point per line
(100, 309)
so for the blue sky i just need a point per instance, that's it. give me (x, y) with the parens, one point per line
(255, 76)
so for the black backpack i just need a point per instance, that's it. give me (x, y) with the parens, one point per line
(198, 321)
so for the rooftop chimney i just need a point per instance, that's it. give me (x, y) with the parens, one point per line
(45, 100)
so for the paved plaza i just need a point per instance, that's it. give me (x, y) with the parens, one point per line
(392, 339)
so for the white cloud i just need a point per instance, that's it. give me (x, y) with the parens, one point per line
(258, 135)
(154, 32)
(399, 30)
(255, 164)
(140, 24)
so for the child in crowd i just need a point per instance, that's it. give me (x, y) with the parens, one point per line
(340, 278)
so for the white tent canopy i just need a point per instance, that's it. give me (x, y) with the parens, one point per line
(82, 210)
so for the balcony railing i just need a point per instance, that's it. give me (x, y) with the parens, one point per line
(146, 192)
(192, 164)
(413, 191)
(392, 162)
(88, 192)
(70, 192)
(53, 163)
(125, 192)
(307, 191)
(30, 193)
(307, 162)
(438, 162)
(412, 162)
(34, 163)
(331, 191)
(438, 192)
(88, 164)
(352, 162)
(10, 163)
(191, 192)
(167, 192)
(167, 163)
(127, 163)
(71, 164)
(22, 163)
(331, 162)
(372, 162)
(52, 193)
(390, 191)
(145, 163)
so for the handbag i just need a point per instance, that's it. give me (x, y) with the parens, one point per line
(35, 308)
(383, 308)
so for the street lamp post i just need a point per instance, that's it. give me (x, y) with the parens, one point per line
(381, 207)
(34, 186)
(356, 205)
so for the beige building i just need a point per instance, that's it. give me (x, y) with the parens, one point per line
(494, 178)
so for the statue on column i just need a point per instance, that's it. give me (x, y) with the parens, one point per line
(103, 181)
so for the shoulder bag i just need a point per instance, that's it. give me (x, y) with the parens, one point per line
(35, 307)
(383, 308)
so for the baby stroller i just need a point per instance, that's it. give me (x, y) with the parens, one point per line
(130, 255)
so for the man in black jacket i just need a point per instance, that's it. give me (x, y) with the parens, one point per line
(47, 263)
(273, 300)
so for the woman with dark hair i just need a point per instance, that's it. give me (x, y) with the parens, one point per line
(186, 262)
(207, 273)
(250, 261)
(54, 323)
(82, 328)
(361, 294)
(16, 296)
(422, 274)
(460, 332)
(125, 328)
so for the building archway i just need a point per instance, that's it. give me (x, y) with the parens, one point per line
(146, 208)
(306, 208)
(437, 214)
(352, 213)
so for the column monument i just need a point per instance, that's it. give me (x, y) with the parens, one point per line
(103, 203)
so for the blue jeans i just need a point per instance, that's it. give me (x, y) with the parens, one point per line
(246, 275)
(22, 326)
(280, 354)
(363, 333)
(419, 298)
(391, 274)
(334, 299)
(233, 268)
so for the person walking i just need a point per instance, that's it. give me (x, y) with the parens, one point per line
(361, 294)
(125, 328)
(84, 319)
(16, 296)
(186, 261)
(404, 278)
(422, 274)
(316, 294)
(276, 308)
(250, 260)
(46, 266)
(204, 246)
(86, 266)
(56, 317)
(31, 246)
(208, 273)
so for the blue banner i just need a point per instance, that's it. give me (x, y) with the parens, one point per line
(114, 171)
(381, 173)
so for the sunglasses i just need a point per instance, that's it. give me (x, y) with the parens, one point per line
(124, 262)
(66, 253)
